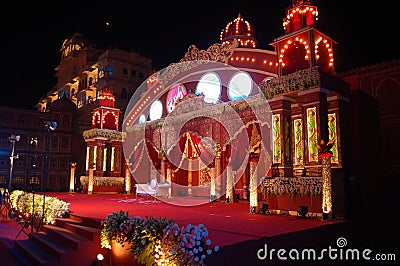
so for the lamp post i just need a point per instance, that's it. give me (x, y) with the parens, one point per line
(13, 138)
(33, 182)
(48, 126)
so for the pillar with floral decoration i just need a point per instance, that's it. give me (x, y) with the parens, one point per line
(217, 172)
(190, 177)
(229, 184)
(253, 190)
(169, 179)
(127, 180)
(324, 154)
(162, 155)
(72, 168)
(91, 178)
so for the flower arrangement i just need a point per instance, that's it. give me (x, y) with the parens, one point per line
(162, 153)
(186, 245)
(106, 133)
(54, 208)
(157, 241)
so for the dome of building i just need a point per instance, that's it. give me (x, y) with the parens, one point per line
(241, 30)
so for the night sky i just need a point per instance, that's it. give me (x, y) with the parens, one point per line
(33, 33)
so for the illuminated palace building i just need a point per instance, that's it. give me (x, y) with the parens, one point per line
(230, 122)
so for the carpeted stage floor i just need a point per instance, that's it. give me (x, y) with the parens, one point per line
(227, 223)
(240, 234)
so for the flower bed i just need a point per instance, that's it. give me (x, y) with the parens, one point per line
(157, 241)
(22, 203)
(103, 184)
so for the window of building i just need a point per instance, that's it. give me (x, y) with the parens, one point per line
(54, 142)
(90, 81)
(110, 70)
(141, 75)
(65, 143)
(133, 73)
(131, 91)
(124, 93)
(125, 71)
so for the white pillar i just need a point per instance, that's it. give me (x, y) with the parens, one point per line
(253, 187)
(190, 177)
(169, 180)
(326, 185)
(91, 180)
(229, 184)
(127, 180)
(213, 194)
(72, 177)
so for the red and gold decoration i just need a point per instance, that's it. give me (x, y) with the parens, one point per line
(104, 146)
(325, 156)
(241, 30)
(72, 167)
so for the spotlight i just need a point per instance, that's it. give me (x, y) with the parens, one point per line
(50, 125)
(302, 211)
(100, 257)
(264, 208)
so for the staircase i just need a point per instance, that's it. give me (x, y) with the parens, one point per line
(71, 241)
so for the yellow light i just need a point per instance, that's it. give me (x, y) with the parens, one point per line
(100, 257)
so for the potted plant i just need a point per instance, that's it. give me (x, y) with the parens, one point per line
(150, 241)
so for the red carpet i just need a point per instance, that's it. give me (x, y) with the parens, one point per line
(227, 223)
(239, 234)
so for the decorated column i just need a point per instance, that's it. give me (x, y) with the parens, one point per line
(229, 184)
(91, 178)
(315, 106)
(89, 154)
(253, 185)
(116, 157)
(190, 178)
(281, 107)
(163, 169)
(72, 168)
(325, 157)
(217, 172)
(127, 180)
(100, 143)
(169, 179)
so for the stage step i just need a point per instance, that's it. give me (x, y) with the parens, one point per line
(70, 241)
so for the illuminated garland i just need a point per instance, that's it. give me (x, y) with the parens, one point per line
(297, 81)
(302, 186)
(105, 133)
(102, 181)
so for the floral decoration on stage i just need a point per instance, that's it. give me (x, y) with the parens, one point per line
(21, 202)
(157, 241)
(292, 186)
